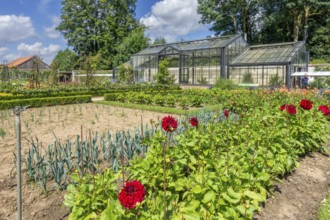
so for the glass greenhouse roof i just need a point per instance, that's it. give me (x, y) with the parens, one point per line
(271, 54)
(207, 43)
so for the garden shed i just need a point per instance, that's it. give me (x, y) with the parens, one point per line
(204, 61)
(27, 63)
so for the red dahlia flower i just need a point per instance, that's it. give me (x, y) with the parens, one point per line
(306, 104)
(132, 193)
(194, 121)
(282, 107)
(169, 124)
(326, 113)
(226, 113)
(324, 109)
(291, 109)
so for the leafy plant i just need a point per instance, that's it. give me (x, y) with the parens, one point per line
(202, 80)
(184, 103)
(170, 101)
(90, 194)
(224, 84)
(275, 80)
(2, 133)
(224, 169)
(163, 76)
(247, 78)
(159, 100)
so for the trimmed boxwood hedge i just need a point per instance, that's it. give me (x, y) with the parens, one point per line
(38, 102)
(75, 91)
(113, 96)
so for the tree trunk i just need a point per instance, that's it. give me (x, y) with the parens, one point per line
(235, 23)
(296, 26)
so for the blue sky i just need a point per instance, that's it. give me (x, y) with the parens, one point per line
(27, 27)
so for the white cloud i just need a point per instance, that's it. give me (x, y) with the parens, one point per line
(6, 58)
(172, 19)
(3, 49)
(44, 5)
(38, 49)
(15, 28)
(50, 31)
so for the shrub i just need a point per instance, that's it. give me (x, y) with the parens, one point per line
(159, 100)
(184, 103)
(164, 76)
(111, 97)
(38, 102)
(225, 84)
(196, 101)
(170, 100)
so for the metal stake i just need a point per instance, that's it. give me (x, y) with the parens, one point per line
(17, 112)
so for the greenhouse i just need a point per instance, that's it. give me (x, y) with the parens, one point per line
(270, 64)
(203, 61)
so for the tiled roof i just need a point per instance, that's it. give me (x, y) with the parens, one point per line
(19, 61)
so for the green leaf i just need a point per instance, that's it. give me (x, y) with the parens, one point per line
(191, 216)
(226, 197)
(264, 177)
(197, 189)
(233, 194)
(270, 163)
(209, 196)
(254, 196)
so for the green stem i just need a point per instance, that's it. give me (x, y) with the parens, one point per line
(164, 159)
(267, 143)
(198, 143)
(227, 139)
(122, 164)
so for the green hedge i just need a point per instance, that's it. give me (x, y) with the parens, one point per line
(161, 109)
(38, 102)
(114, 96)
(74, 91)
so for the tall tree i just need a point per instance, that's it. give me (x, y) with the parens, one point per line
(95, 27)
(130, 45)
(230, 16)
(65, 60)
(159, 40)
(319, 38)
(287, 20)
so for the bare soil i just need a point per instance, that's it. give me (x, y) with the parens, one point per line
(299, 195)
(64, 122)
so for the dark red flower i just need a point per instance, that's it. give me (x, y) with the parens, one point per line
(291, 109)
(169, 124)
(326, 113)
(194, 121)
(306, 104)
(226, 113)
(325, 110)
(282, 107)
(132, 193)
